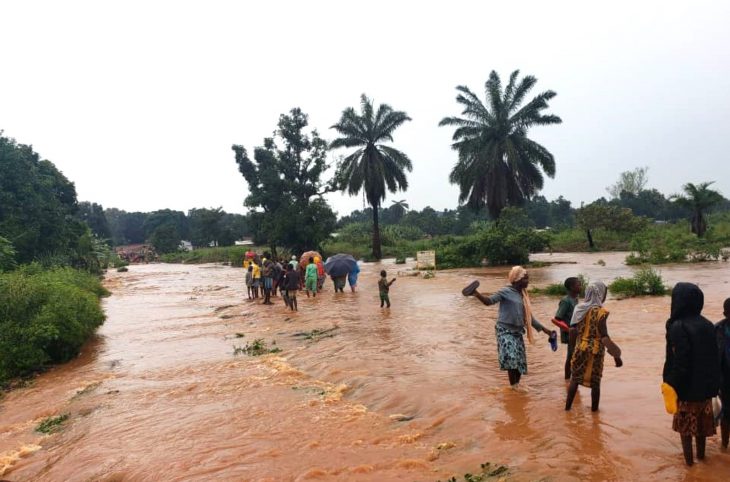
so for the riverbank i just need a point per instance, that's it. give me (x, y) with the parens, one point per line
(159, 394)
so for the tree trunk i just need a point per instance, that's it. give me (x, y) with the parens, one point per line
(377, 254)
(591, 245)
(699, 225)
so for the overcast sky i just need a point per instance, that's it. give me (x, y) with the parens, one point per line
(139, 103)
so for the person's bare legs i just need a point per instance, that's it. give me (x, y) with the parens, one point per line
(687, 449)
(514, 377)
(701, 442)
(595, 398)
(572, 390)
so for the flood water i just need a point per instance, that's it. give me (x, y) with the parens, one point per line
(158, 394)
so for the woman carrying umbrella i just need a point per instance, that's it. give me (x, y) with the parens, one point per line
(339, 268)
(352, 277)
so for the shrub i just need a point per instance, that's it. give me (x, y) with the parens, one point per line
(7, 255)
(645, 281)
(45, 317)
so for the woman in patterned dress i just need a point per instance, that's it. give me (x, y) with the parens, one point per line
(515, 318)
(589, 325)
(691, 368)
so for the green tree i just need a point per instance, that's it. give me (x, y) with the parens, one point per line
(161, 217)
(165, 238)
(374, 167)
(126, 228)
(7, 255)
(498, 164)
(93, 215)
(205, 226)
(37, 203)
(286, 186)
(700, 200)
(602, 215)
(631, 182)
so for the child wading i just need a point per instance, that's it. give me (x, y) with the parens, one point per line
(515, 317)
(249, 281)
(565, 313)
(384, 288)
(311, 278)
(591, 343)
(722, 331)
(256, 273)
(691, 368)
(292, 286)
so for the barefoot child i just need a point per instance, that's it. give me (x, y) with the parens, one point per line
(565, 314)
(384, 288)
(292, 286)
(589, 320)
(249, 281)
(722, 332)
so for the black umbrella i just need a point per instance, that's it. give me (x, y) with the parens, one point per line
(340, 265)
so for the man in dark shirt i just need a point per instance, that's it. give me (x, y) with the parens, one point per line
(565, 313)
(722, 332)
(292, 286)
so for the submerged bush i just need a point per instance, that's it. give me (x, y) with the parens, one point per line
(45, 317)
(645, 282)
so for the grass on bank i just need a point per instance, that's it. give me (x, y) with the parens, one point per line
(45, 317)
(645, 282)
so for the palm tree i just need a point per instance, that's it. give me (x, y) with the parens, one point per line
(373, 167)
(399, 208)
(699, 199)
(498, 164)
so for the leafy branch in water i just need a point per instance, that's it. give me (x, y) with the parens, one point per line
(256, 348)
(51, 424)
(316, 334)
(488, 471)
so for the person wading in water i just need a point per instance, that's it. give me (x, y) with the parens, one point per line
(514, 320)
(692, 368)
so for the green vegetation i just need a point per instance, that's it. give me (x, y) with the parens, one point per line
(699, 199)
(45, 317)
(51, 424)
(286, 186)
(232, 255)
(499, 165)
(488, 471)
(374, 167)
(675, 244)
(558, 289)
(7, 255)
(645, 282)
(611, 218)
(256, 348)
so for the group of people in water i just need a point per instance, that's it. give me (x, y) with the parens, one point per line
(696, 369)
(266, 275)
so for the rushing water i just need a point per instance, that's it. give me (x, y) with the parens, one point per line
(159, 394)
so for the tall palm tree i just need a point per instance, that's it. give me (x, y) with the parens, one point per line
(699, 199)
(373, 167)
(498, 164)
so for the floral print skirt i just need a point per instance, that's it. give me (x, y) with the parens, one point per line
(694, 418)
(511, 350)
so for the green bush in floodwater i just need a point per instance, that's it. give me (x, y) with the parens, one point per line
(51, 424)
(645, 282)
(45, 317)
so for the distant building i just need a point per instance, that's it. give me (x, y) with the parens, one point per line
(186, 245)
(245, 242)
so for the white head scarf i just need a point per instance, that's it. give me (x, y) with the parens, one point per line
(595, 293)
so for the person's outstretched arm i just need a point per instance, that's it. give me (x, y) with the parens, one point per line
(612, 348)
(539, 327)
(487, 300)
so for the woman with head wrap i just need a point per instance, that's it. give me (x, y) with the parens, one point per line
(588, 327)
(514, 320)
(691, 368)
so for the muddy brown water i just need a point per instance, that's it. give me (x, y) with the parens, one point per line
(159, 395)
